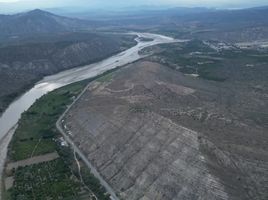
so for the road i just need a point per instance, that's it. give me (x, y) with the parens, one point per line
(11, 116)
(93, 170)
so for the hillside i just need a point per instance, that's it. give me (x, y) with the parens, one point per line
(38, 21)
(225, 25)
(38, 43)
(154, 133)
(24, 62)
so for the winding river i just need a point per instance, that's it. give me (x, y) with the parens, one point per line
(10, 118)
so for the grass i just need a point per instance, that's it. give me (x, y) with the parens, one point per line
(37, 135)
(36, 129)
(105, 78)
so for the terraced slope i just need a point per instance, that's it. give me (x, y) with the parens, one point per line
(129, 124)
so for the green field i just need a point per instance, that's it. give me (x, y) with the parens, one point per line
(36, 129)
(37, 135)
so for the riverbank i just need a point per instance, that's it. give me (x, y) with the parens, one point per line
(12, 92)
(13, 113)
(36, 135)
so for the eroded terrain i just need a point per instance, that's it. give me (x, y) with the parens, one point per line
(154, 133)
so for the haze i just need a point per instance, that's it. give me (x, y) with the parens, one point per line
(7, 6)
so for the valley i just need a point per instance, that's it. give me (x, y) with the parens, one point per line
(25, 62)
(137, 104)
(26, 147)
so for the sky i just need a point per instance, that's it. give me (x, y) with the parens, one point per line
(21, 5)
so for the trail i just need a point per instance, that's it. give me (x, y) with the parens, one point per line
(92, 195)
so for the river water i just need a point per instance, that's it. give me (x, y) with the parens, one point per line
(11, 116)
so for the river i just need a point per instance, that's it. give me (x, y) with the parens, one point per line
(11, 116)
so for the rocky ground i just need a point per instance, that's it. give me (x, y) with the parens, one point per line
(154, 133)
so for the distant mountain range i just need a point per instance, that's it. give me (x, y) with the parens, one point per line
(38, 21)
(258, 15)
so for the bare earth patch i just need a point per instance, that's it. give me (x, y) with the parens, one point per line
(132, 128)
(33, 160)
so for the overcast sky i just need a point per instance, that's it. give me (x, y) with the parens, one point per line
(9, 5)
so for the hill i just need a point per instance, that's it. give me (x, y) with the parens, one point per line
(38, 43)
(161, 135)
(226, 25)
(38, 21)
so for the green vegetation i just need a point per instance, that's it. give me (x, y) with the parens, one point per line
(90, 181)
(211, 72)
(105, 78)
(94, 184)
(172, 31)
(51, 53)
(196, 46)
(36, 130)
(37, 135)
(50, 180)
(193, 57)
(128, 41)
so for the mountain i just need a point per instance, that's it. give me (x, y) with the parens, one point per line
(38, 21)
(181, 22)
(38, 43)
(232, 16)
(128, 13)
(230, 25)
(209, 24)
(27, 61)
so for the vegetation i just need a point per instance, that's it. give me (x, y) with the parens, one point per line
(90, 181)
(192, 58)
(37, 135)
(28, 59)
(36, 130)
(105, 78)
(195, 57)
(94, 184)
(50, 180)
